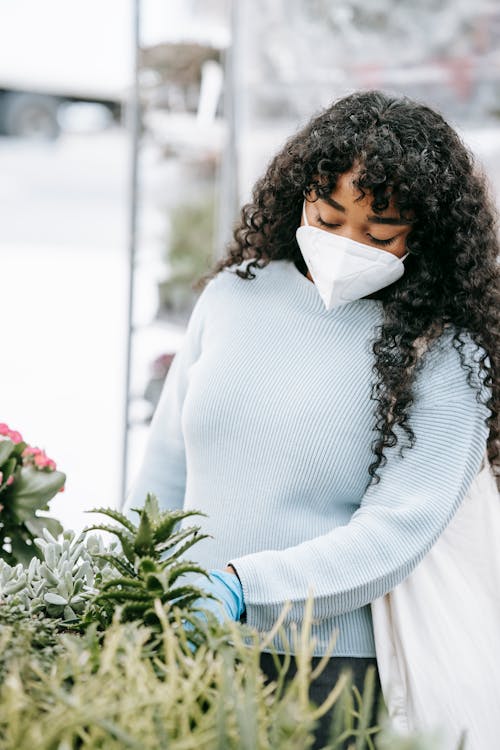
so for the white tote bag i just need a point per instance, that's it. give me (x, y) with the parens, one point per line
(437, 634)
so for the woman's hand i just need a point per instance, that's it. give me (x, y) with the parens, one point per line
(225, 586)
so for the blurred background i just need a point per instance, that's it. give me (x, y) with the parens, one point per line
(130, 134)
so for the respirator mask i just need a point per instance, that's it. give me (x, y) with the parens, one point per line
(344, 270)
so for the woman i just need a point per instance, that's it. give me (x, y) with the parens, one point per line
(328, 452)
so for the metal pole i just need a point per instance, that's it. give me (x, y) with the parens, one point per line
(229, 202)
(134, 125)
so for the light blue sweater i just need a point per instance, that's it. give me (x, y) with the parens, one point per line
(265, 424)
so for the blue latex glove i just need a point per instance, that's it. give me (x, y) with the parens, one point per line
(226, 587)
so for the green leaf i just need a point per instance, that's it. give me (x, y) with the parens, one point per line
(52, 598)
(125, 538)
(121, 565)
(122, 596)
(22, 552)
(144, 543)
(148, 565)
(48, 574)
(180, 569)
(133, 612)
(8, 469)
(151, 509)
(182, 591)
(176, 538)
(7, 448)
(164, 528)
(116, 516)
(150, 617)
(155, 583)
(18, 449)
(187, 545)
(114, 582)
(182, 602)
(32, 491)
(37, 524)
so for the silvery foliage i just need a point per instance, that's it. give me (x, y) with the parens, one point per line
(63, 580)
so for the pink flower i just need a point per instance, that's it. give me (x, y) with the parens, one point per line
(31, 455)
(62, 488)
(10, 480)
(30, 451)
(13, 435)
(40, 460)
(1, 477)
(16, 437)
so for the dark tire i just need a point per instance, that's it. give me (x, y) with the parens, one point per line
(29, 116)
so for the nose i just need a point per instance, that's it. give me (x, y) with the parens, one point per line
(346, 231)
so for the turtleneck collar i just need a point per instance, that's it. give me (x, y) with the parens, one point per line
(305, 290)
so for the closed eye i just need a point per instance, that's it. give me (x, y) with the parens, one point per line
(383, 242)
(325, 223)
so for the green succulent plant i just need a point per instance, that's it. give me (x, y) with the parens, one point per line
(122, 610)
(80, 581)
(149, 567)
(23, 634)
(62, 580)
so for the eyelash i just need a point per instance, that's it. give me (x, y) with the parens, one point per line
(373, 239)
(383, 242)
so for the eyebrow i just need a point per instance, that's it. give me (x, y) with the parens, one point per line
(394, 220)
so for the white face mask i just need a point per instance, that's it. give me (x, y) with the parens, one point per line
(342, 269)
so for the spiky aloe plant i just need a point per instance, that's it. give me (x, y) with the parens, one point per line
(149, 567)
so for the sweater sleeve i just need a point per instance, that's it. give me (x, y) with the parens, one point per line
(398, 520)
(163, 468)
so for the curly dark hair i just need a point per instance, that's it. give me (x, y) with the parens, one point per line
(405, 151)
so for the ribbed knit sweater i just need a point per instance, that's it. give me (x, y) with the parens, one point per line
(265, 423)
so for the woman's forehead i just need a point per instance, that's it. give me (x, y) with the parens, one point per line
(347, 194)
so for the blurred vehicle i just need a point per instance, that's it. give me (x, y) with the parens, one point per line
(59, 52)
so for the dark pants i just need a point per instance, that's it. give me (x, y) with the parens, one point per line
(323, 685)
